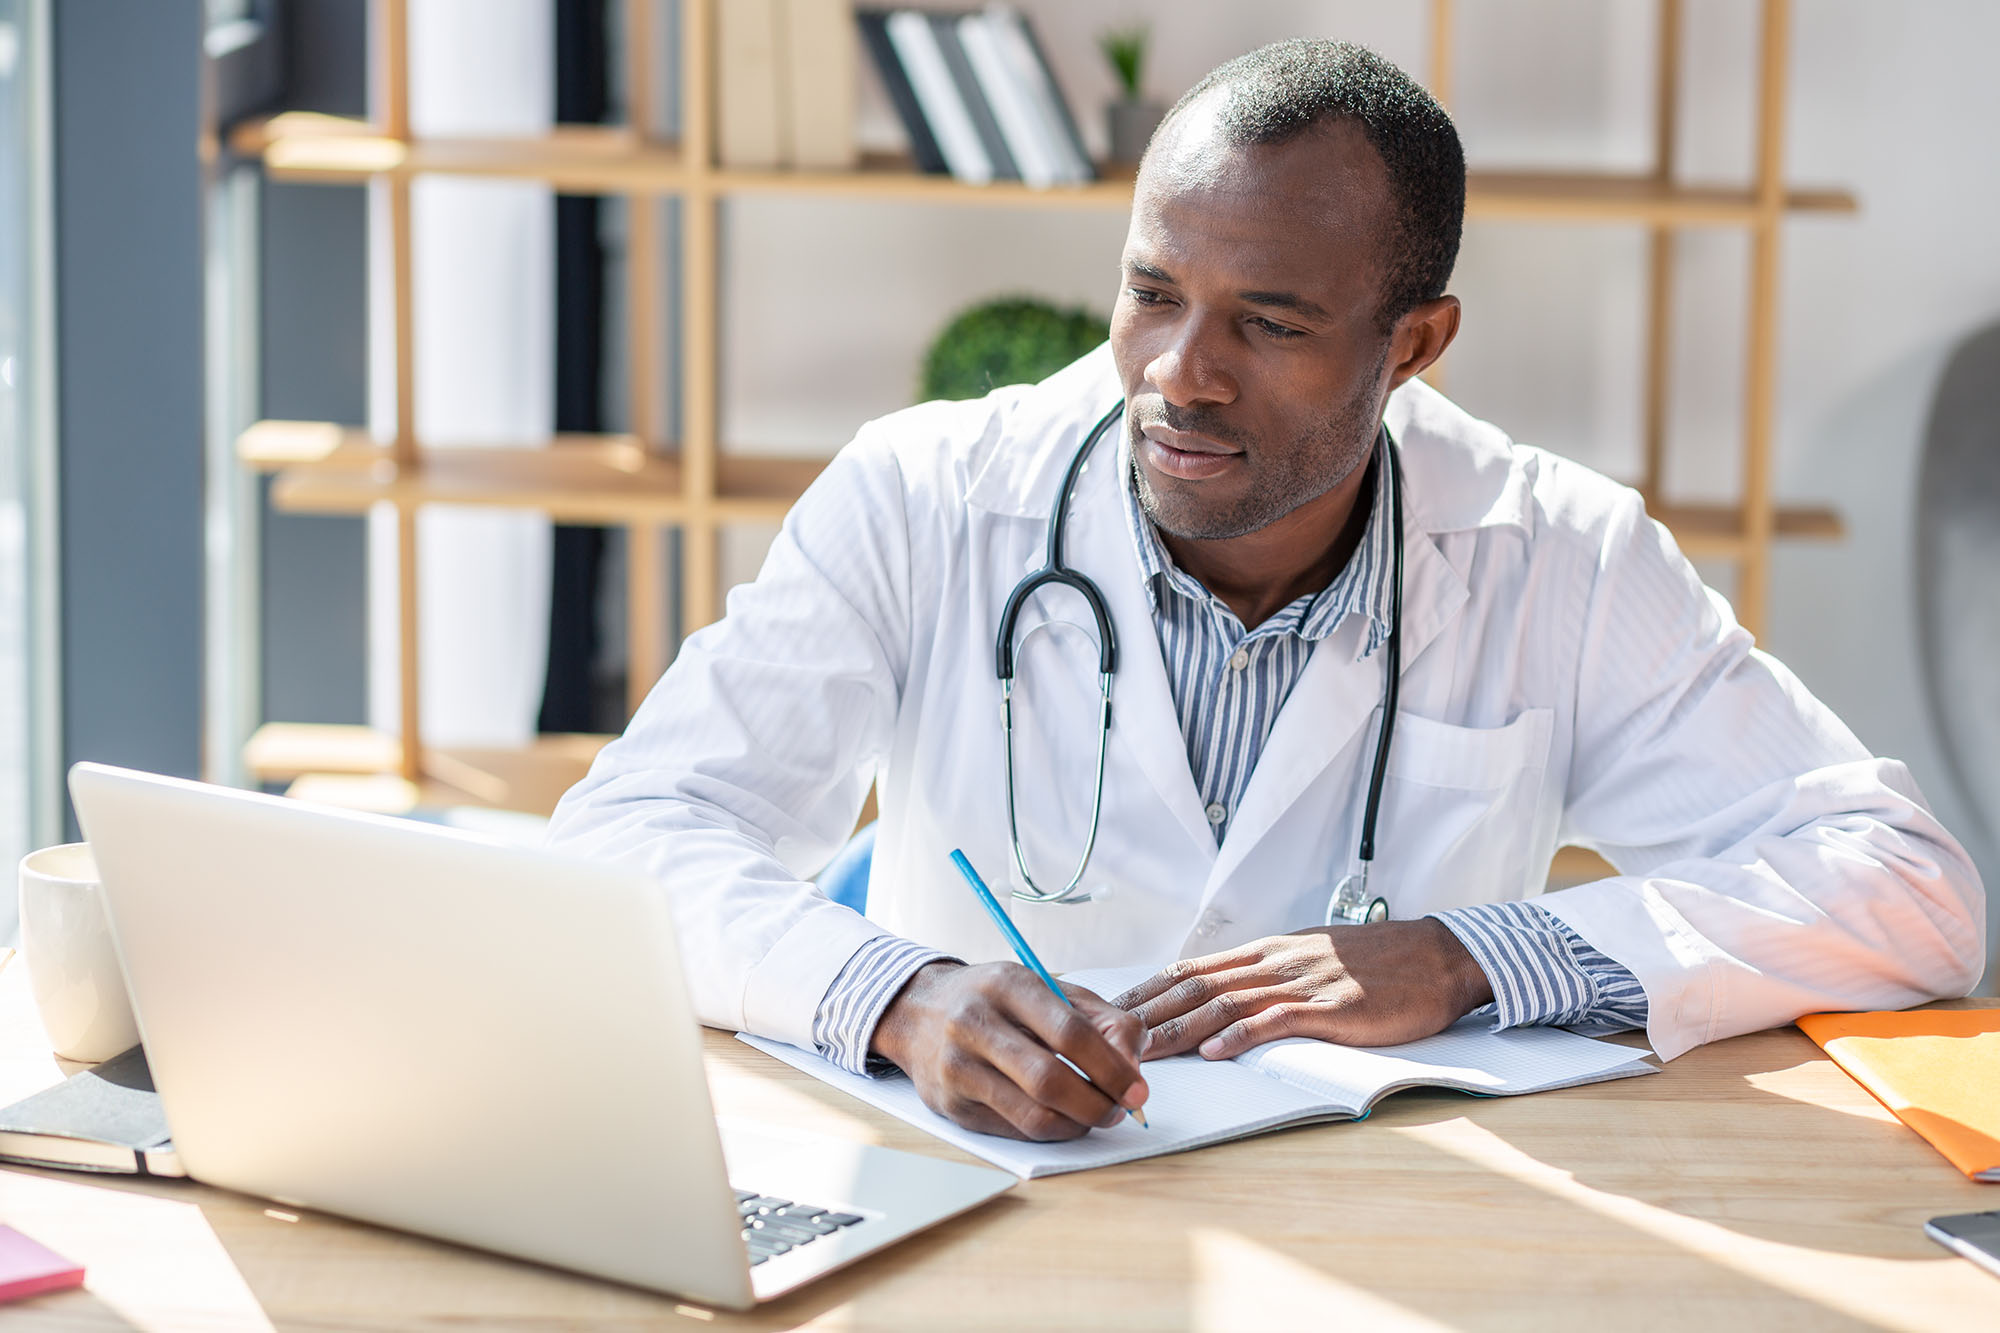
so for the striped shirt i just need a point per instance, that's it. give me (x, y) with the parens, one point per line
(1229, 684)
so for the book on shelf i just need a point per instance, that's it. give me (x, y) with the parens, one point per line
(915, 43)
(976, 95)
(874, 26)
(822, 58)
(1021, 53)
(750, 127)
(1013, 109)
(946, 28)
(786, 72)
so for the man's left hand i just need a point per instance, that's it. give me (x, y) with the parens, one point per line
(1377, 985)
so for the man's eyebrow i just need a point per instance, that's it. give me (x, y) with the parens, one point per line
(1141, 269)
(1291, 301)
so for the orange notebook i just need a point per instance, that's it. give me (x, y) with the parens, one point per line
(1937, 1069)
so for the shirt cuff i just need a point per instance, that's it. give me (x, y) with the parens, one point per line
(1544, 972)
(853, 1004)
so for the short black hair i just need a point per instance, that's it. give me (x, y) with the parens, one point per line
(1278, 92)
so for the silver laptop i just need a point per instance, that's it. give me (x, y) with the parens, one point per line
(442, 1033)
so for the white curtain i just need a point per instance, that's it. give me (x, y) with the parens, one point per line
(485, 374)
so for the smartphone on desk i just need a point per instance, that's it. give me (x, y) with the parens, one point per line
(1973, 1235)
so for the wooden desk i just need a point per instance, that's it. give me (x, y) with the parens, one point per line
(1751, 1185)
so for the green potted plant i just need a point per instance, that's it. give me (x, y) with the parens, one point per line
(1132, 118)
(1012, 340)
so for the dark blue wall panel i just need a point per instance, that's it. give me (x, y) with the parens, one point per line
(128, 286)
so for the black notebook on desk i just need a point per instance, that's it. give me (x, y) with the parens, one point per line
(104, 1119)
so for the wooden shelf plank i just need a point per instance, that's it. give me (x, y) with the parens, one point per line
(322, 468)
(357, 766)
(609, 160)
(584, 158)
(1720, 531)
(1594, 197)
(284, 751)
(890, 178)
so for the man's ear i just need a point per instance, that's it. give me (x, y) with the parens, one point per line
(1420, 338)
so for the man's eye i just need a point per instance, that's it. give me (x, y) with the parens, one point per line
(1278, 331)
(1142, 296)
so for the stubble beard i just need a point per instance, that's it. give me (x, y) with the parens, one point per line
(1325, 456)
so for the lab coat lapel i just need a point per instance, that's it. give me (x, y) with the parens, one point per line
(1334, 698)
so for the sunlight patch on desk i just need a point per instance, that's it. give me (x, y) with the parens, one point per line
(1874, 1289)
(1786, 1083)
(1240, 1284)
(155, 1262)
(768, 1101)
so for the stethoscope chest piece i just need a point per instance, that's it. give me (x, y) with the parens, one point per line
(1352, 905)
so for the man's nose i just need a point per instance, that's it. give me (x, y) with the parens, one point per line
(1193, 367)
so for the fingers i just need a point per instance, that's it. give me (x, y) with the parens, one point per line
(1175, 973)
(1101, 1041)
(1057, 1103)
(1202, 1004)
(992, 1048)
(1185, 1031)
(1117, 1025)
(1267, 1024)
(993, 1103)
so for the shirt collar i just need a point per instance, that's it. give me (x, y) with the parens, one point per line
(1364, 586)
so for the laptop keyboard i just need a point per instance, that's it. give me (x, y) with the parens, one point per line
(774, 1226)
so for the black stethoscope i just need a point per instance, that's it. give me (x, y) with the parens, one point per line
(1349, 901)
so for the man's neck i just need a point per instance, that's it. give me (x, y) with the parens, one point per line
(1259, 574)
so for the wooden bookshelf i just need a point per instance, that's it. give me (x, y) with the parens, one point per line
(679, 476)
(597, 160)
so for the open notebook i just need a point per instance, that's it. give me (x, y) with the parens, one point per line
(1196, 1102)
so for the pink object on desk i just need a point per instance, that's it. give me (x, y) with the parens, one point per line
(29, 1268)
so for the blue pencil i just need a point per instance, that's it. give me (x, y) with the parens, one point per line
(1021, 949)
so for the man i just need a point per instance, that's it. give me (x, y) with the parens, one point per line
(1564, 677)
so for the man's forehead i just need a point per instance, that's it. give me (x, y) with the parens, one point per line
(1321, 194)
(1329, 173)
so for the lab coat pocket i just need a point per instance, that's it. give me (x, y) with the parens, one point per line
(1458, 811)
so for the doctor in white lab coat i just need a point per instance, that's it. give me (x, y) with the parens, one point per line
(1565, 679)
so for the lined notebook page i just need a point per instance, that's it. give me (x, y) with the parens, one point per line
(1194, 1102)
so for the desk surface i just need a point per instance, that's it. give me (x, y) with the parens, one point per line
(1751, 1185)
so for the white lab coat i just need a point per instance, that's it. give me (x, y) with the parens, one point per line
(1566, 678)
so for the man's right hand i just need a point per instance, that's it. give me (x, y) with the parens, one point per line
(981, 1043)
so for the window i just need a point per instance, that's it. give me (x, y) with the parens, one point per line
(26, 727)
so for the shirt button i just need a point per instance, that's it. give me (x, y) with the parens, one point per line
(1216, 814)
(1209, 925)
(1241, 660)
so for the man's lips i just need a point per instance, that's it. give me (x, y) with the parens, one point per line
(1185, 456)
(1186, 442)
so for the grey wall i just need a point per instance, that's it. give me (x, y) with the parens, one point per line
(313, 285)
(128, 286)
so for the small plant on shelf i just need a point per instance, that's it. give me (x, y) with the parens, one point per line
(1013, 340)
(1131, 119)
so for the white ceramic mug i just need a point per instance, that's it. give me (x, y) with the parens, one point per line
(72, 967)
